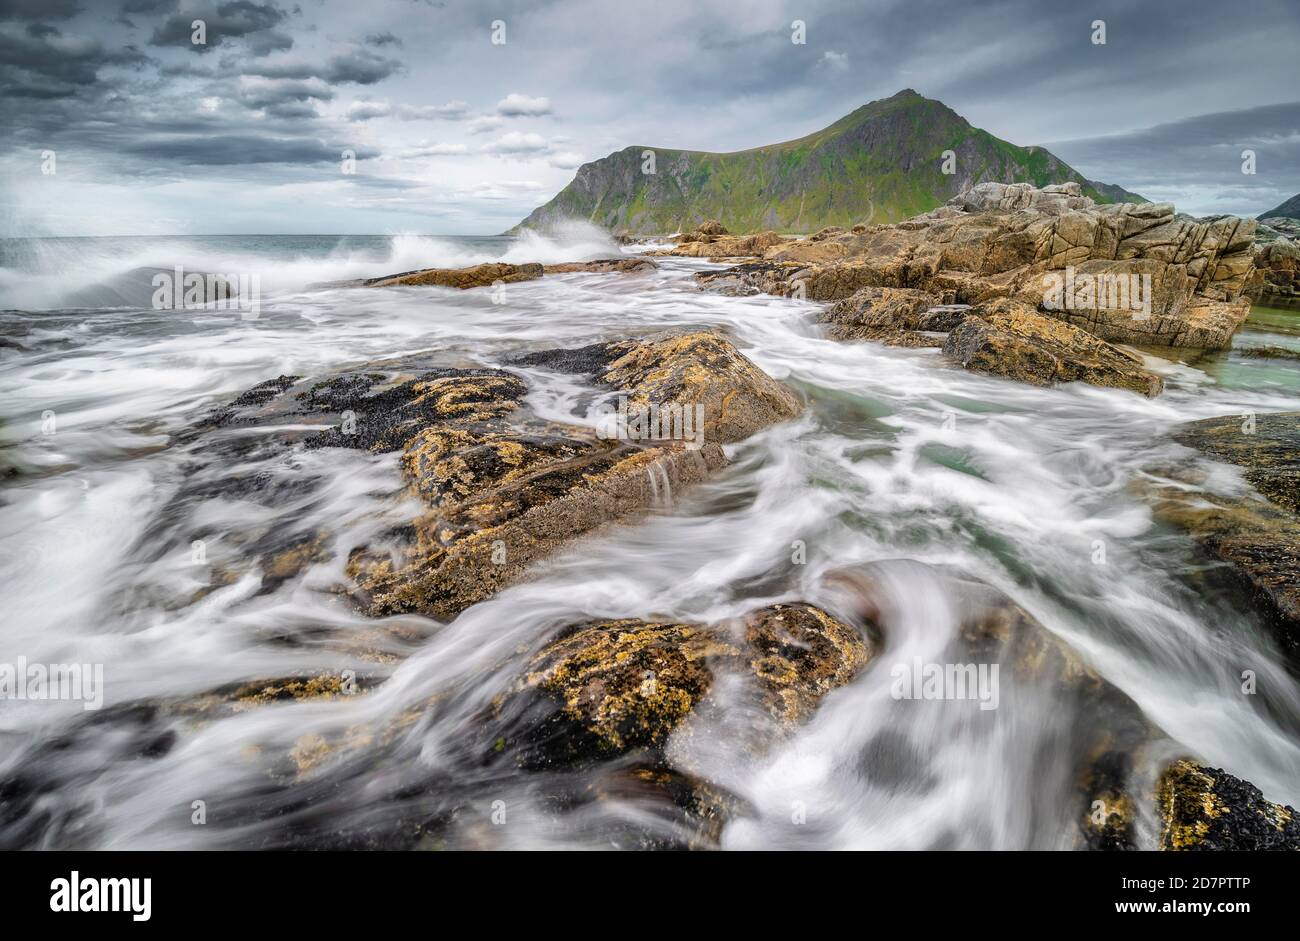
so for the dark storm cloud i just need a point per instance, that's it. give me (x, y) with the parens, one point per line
(38, 9)
(49, 60)
(1207, 151)
(248, 149)
(291, 81)
(222, 22)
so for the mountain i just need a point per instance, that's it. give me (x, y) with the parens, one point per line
(881, 163)
(1289, 209)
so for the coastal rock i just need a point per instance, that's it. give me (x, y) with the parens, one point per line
(1208, 809)
(615, 686)
(1012, 340)
(897, 316)
(701, 369)
(1260, 540)
(722, 246)
(505, 494)
(1129, 273)
(476, 276)
(603, 266)
(503, 488)
(1277, 271)
(1009, 197)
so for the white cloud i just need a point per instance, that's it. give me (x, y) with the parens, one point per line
(835, 61)
(518, 106)
(364, 110)
(484, 124)
(566, 160)
(424, 149)
(517, 143)
(451, 111)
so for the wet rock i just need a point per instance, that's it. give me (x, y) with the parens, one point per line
(504, 494)
(1277, 268)
(701, 245)
(761, 277)
(1014, 341)
(1208, 809)
(502, 488)
(702, 369)
(896, 316)
(1260, 540)
(1268, 352)
(476, 276)
(603, 266)
(1266, 446)
(609, 688)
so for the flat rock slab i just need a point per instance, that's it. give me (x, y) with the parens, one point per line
(476, 276)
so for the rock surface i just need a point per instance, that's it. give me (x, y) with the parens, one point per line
(1259, 539)
(616, 686)
(1208, 809)
(476, 276)
(502, 488)
(602, 266)
(1128, 273)
(1016, 342)
(1277, 270)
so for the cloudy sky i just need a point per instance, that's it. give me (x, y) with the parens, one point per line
(153, 133)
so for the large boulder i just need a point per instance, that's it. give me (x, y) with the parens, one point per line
(700, 369)
(1013, 340)
(605, 689)
(1277, 271)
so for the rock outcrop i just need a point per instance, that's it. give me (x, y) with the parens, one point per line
(1127, 273)
(502, 488)
(1277, 270)
(1014, 341)
(476, 276)
(1258, 538)
(615, 686)
(602, 266)
(1208, 809)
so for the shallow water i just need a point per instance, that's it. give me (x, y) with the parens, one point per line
(898, 457)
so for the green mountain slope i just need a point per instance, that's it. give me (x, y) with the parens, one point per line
(881, 163)
(1289, 209)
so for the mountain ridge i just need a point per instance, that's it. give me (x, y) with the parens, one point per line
(881, 162)
(1290, 209)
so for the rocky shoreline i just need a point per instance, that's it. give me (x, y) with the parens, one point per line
(501, 490)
